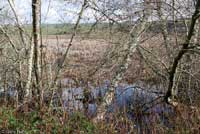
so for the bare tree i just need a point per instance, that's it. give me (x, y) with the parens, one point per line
(130, 48)
(36, 6)
(171, 93)
(33, 62)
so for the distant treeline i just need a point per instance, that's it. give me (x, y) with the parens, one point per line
(67, 28)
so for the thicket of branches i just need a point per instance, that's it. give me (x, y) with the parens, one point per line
(154, 41)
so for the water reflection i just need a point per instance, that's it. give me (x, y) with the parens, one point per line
(126, 97)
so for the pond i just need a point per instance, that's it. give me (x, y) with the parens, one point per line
(133, 101)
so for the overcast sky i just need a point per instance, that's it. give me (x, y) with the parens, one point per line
(60, 11)
(53, 11)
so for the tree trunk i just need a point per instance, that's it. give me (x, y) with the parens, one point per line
(36, 6)
(135, 35)
(34, 51)
(28, 96)
(169, 97)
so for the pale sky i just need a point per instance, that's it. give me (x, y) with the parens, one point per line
(53, 11)
(60, 11)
